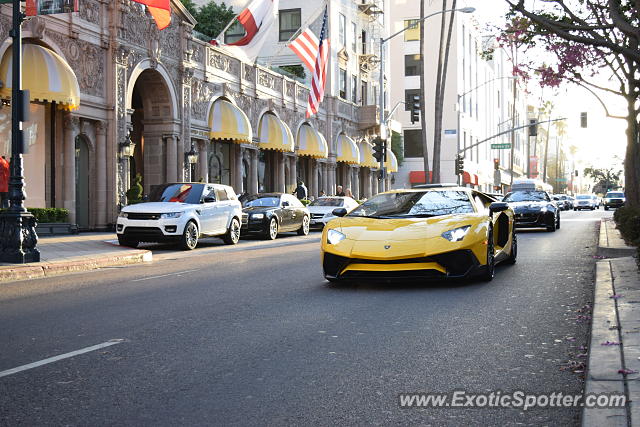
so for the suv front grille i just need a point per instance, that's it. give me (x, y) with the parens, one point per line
(143, 216)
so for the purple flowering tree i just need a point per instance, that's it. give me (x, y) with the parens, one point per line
(583, 38)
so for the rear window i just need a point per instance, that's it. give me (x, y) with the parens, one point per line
(328, 201)
(614, 194)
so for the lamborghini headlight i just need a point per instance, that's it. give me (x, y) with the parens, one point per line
(456, 234)
(334, 237)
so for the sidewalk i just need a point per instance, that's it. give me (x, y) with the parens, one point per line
(615, 367)
(68, 254)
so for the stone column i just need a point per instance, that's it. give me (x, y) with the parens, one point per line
(293, 168)
(101, 173)
(181, 163)
(282, 185)
(171, 157)
(356, 182)
(237, 169)
(253, 172)
(314, 178)
(71, 129)
(348, 180)
(202, 170)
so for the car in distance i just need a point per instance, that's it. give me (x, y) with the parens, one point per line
(534, 209)
(585, 201)
(563, 201)
(614, 199)
(181, 213)
(321, 209)
(269, 214)
(426, 234)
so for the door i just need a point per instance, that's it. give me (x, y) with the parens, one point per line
(286, 215)
(82, 183)
(224, 209)
(209, 221)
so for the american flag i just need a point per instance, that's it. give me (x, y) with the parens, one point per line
(306, 47)
(320, 70)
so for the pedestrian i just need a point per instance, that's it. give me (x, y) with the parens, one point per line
(339, 191)
(4, 183)
(348, 193)
(301, 191)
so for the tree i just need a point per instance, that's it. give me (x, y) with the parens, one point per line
(606, 179)
(211, 17)
(396, 146)
(583, 38)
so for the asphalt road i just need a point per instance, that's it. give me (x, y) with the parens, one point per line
(255, 336)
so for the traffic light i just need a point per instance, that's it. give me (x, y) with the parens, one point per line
(415, 109)
(496, 164)
(380, 150)
(533, 127)
(459, 164)
(583, 119)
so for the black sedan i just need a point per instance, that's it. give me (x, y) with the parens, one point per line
(268, 214)
(534, 209)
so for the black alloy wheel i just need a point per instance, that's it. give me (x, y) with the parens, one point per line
(490, 268)
(514, 249)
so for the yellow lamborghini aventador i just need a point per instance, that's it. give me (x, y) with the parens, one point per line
(436, 232)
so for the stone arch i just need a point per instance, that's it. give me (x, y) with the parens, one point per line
(146, 65)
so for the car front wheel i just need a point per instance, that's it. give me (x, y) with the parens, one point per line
(304, 228)
(233, 233)
(272, 229)
(490, 268)
(514, 249)
(189, 239)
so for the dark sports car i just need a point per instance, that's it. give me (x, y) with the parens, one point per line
(268, 214)
(534, 209)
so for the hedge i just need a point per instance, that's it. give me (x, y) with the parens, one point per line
(628, 222)
(44, 215)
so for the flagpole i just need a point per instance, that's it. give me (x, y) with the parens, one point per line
(313, 17)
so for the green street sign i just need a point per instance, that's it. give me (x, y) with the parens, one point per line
(561, 179)
(500, 146)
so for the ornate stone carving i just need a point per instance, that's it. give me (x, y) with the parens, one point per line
(249, 75)
(135, 25)
(72, 123)
(37, 26)
(100, 127)
(290, 89)
(223, 62)
(90, 11)
(170, 41)
(200, 95)
(122, 55)
(266, 79)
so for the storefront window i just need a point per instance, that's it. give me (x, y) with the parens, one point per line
(262, 166)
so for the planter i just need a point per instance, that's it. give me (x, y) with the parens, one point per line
(55, 228)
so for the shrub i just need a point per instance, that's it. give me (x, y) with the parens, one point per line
(44, 215)
(628, 222)
(134, 194)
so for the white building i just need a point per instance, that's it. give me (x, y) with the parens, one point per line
(478, 100)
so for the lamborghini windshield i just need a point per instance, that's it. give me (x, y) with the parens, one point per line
(415, 204)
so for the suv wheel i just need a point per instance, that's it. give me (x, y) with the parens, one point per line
(233, 233)
(190, 235)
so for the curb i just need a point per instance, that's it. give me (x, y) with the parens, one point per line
(610, 244)
(40, 270)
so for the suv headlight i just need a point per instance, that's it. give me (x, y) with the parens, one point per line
(257, 216)
(456, 234)
(123, 215)
(334, 237)
(171, 215)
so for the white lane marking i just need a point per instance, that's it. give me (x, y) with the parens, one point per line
(165, 275)
(60, 357)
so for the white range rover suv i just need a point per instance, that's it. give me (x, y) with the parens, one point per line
(182, 213)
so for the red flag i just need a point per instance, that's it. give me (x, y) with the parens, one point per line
(160, 10)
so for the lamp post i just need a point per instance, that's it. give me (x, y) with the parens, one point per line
(459, 111)
(191, 158)
(18, 236)
(383, 129)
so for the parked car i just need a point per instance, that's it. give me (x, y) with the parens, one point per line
(534, 209)
(322, 208)
(427, 234)
(563, 201)
(182, 212)
(584, 201)
(614, 199)
(268, 214)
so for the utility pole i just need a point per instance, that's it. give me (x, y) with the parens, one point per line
(423, 115)
(513, 133)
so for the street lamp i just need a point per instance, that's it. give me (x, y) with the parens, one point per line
(459, 151)
(18, 236)
(127, 147)
(383, 130)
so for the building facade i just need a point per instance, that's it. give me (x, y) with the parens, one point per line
(480, 99)
(169, 107)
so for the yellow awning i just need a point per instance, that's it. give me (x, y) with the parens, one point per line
(45, 74)
(347, 150)
(274, 134)
(311, 143)
(227, 121)
(366, 156)
(392, 162)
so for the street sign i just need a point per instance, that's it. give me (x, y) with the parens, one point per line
(561, 179)
(500, 146)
